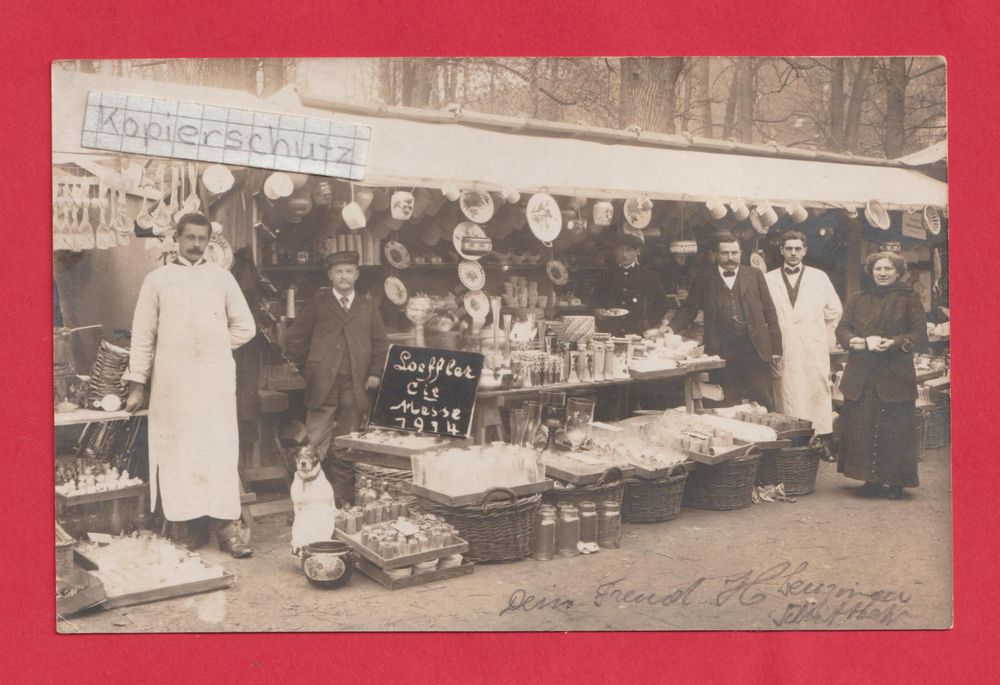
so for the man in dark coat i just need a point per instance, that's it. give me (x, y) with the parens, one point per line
(741, 325)
(631, 287)
(341, 340)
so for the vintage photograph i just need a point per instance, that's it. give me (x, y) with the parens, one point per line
(501, 344)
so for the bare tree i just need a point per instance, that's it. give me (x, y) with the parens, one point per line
(648, 92)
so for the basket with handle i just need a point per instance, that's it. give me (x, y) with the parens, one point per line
(652, 501)
(724, 486)
(499, 528)
(610, 486)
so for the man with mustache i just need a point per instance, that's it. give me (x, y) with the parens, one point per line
(190, 316)
(741, 325)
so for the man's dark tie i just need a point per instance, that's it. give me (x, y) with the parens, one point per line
(790, 270)
(345, 303)
(728, 274)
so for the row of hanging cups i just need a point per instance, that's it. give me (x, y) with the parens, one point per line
(763, 211)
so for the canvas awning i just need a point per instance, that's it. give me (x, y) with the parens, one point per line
(433, 151)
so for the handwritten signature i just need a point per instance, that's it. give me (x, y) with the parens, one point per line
(801, 601)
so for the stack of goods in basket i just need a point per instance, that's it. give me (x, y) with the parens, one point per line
(377, 438)
(409, 535)
(711, 434)
(663, 351)
(756, 414)
(476, 469)
(105, 390)
(634, 447)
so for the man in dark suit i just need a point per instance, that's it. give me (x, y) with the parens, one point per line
(341, 340)
(631, 287)
(741, 325)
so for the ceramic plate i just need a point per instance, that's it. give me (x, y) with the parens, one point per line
(476, 304)
(467, 229)
(396, 254)
(219, 251)
(544, 217)
(557, 272)
(636, 216)
(472, 275)
(611, 313)
(477, 206)
(395, 290)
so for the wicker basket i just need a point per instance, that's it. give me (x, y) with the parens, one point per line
(496, 530)
(64, 552)
(725, 486)
(651, 501)
(933, 425)
(796, 467)
(610, 486)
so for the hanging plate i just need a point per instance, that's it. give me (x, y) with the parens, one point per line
(395, 290)
(932, 220)
(877, 215)
(476, 304)
(544, 217)
(219, 251)
(467, 229)
(557, 272)
(396, 254)
(757, 262)
(636, 215)
(477, 206)
(757, 225)
(472, 275)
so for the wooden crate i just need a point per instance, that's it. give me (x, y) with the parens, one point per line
(354, 542)
(656, 474)
(103, 512)
(384, 579)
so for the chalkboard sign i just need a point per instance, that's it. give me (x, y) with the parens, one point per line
(427, 391)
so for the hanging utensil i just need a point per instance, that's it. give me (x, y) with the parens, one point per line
(86, 230)
(161, 214)
(192, 203)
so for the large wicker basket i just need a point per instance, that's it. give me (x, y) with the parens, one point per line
(496, 529)
(796, 467)
(651, 501)
(725, 486)
(64, 552)
(933, 425)
(610, 486)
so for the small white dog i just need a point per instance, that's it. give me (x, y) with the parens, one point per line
(312, 500)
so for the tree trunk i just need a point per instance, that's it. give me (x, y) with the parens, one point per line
(835, 136)
(729, 120)
(859, 85)
(703, 95)
(546, 108)
(648, 97)
(895, 108)
(745, 99)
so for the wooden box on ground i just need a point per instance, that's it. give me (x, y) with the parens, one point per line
(384, 579)
(110, 512)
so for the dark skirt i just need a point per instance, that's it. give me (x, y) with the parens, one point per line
(880, 440)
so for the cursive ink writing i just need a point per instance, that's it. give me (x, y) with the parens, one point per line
(521, 600)
(680, 594)
(750, 589)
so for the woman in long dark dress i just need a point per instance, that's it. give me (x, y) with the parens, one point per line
(881, 328)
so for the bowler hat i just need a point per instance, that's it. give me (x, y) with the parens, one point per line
(629, 240)
(342, 257)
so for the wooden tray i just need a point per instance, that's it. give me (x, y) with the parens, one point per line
(655, 474)
(472, 498)
(170, 591)
(588, 477)
(375, 459)
(354, 542)
(779, 444)
(107, 495)
(709, 460)
(382, 578)
(347, 442)
(657, 374)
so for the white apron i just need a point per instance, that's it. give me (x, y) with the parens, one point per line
(187, 322)
(806, 338)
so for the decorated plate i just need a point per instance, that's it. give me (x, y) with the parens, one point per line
(476, 304)
(638, 213)
(219, 251)
(472, 275)
(467, 229)
(395, 290)
(612, 313)
(396, 254)
(757, 262)
(557, 272)
(477, 206)
(544, 217)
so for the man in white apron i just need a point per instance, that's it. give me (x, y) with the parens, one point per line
(189, 318)
(808, 311)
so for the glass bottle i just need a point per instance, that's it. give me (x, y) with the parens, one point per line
(588, 521)
(598, 366)
(609, 525)
(567, 531)
(545, 533)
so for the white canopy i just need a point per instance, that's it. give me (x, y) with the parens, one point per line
(424, 153)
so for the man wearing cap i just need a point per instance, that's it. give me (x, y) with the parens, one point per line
(340, 339)
(632, 287)
(741, 324)
(808, 311)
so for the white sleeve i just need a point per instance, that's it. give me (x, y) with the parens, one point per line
(145, 321)
(242, 327)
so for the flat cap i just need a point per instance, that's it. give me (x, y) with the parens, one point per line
(343, 257)
(629, 240)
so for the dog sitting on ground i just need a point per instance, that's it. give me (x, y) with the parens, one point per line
(312, 500)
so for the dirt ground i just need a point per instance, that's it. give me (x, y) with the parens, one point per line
(831, 560)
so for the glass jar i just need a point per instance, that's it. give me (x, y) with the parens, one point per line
(567, 531)
(545, 533)
(583, 365)
(597, 367)
(609, 525)
(588, 521)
